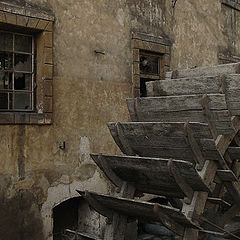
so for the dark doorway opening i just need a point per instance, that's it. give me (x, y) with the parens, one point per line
(143, 87)
(65, 216)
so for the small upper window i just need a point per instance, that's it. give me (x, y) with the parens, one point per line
(16, 72)
(149, 63)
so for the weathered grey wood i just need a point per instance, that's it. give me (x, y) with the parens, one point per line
(177, 103)
(234, 153)
(183, 86)
(80, 235)
(231, 68)
(199, 200)
(181, 108)
(230, 214)
(165, 140)
(209, 116)
(180, 181)
(117, 228)
(168, 222)
(218, 201)
(103, 164)
(151, 175)
(141, 210)
(97, 206)
(199, 158)
(227, 176)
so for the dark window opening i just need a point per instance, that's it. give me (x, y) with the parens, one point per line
(16, 72)
(150, 63)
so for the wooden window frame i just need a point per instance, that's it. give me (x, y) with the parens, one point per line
(40, 24)
(13, 71)
(158, 45)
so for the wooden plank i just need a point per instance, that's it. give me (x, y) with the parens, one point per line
(180, 181)
(199, 200)
(218, 201)
(96, 205)
(151, 175)
(154, 140)
(103, 164)
(183, 86)
(159, 129)
(80, 235)
(227, 176)
(208, 115)
(231, 68)
(194, 146)
(178, 103)
(168, 222)
(141, 210)
(230, 214)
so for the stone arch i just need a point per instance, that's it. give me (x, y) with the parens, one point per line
(64, 191)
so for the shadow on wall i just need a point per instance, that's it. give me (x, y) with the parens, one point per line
(20, 217)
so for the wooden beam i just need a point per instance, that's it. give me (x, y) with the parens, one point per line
(227, 176)
(96, 205)
(194, 146)
(218, 201)
(109, 172)
(230, 214)
(181, 182)
(125, 145)
(205, 220)
(208, 116)
(116, 229)
(168, 222)
(222, 83)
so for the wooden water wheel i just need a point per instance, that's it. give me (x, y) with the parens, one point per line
(184, 144)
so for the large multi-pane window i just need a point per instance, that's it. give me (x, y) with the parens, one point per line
(16, 72)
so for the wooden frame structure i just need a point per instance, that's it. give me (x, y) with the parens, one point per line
(183, 144)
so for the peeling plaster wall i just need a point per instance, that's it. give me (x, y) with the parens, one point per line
(89, 91)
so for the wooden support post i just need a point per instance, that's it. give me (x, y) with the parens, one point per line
(199, 159)
(199, 199)
(208, 115)
(116, 229)
(231, 213)
(168, 222)
(181, 182)
(96, 205)
(109, 172)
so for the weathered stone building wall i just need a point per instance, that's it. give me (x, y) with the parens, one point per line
(89, 90)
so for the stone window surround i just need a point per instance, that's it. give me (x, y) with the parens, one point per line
(40, 23)
(146, 42)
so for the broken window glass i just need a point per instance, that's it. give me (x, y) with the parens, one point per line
(22, 101)
(16, 71)
(6, 41)
(23, 43)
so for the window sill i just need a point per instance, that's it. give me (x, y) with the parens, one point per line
(15, 118)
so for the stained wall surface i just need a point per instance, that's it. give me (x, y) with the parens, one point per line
(89, 90)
